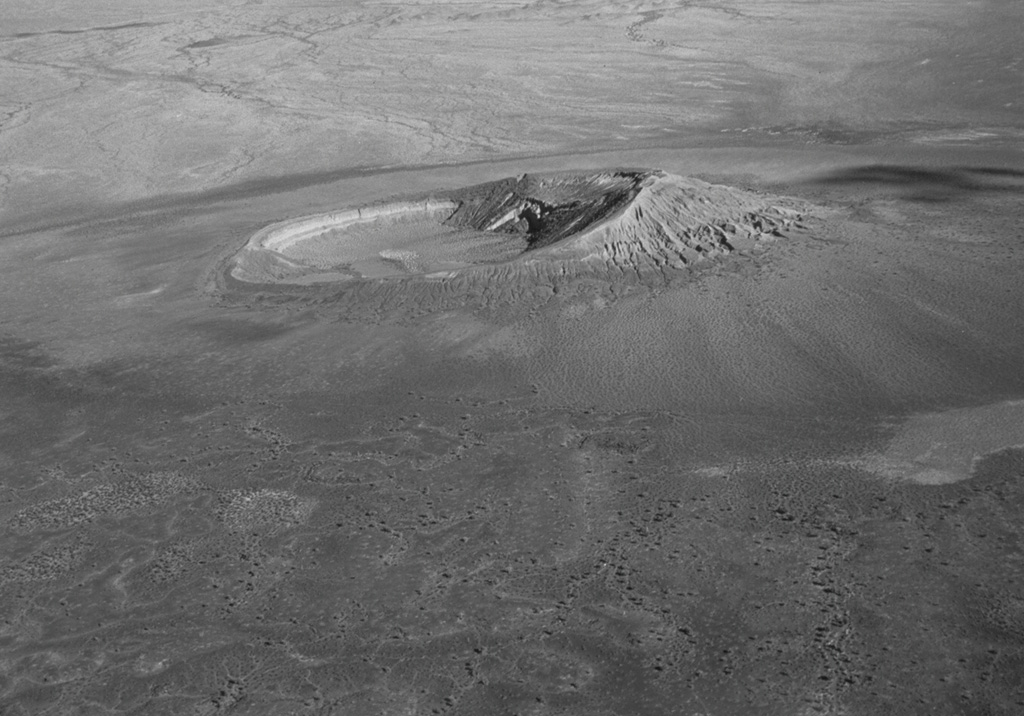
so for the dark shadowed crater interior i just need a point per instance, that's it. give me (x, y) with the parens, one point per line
(544, 210)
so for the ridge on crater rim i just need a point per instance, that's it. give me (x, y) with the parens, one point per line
(613, 219)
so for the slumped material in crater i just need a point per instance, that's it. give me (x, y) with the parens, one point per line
(616, 219)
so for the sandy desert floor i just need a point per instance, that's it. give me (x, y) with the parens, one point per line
(785, 477)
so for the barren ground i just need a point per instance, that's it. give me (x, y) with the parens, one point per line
(498, 468)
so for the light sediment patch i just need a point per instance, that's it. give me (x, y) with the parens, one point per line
(939, 448)
(558, 223)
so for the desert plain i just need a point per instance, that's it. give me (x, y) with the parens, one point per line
(512, 358)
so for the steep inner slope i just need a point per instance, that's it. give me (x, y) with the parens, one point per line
(613, 219)
(545, 210)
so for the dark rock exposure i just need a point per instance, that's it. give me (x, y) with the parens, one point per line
(546, 210)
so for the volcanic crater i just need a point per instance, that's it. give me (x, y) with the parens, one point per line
(620, 220)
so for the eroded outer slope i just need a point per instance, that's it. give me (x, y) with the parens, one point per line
(676, 221)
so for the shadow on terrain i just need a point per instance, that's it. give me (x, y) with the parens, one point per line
(926, 184)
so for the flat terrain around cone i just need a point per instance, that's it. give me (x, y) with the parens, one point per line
(542, 358)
